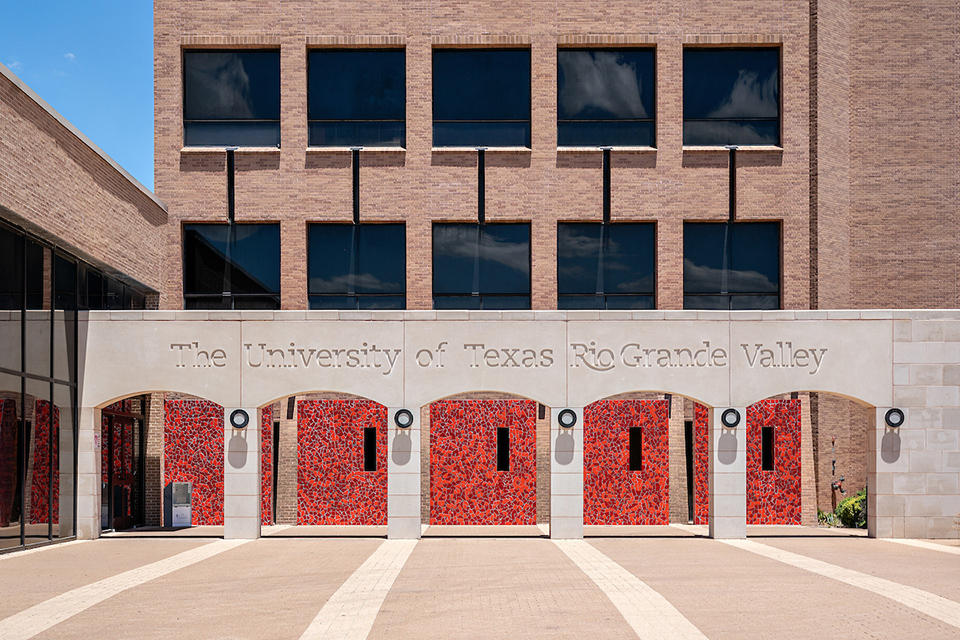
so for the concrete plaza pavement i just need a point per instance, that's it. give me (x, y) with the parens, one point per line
(665, 582)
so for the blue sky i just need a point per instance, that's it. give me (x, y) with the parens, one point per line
(93, 62)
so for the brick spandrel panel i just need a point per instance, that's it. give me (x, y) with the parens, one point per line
(542, 186)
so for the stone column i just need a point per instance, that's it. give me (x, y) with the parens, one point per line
(885, 509)
(88, 474)
(403, 477)
(566, 478)
(241, 477)
(728, 476)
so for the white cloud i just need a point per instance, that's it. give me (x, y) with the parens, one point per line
(601, 80)
(70, 57)
(16, 65)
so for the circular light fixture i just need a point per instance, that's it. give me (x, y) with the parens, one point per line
(567, 418)
(239, 419)
(730, 418)
(894, 418)
(403, 418)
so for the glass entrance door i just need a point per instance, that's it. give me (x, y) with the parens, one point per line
(122, 447)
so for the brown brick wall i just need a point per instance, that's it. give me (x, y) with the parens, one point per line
(55, 185)
(293, 186)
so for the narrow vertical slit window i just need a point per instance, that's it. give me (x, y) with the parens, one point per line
(369, 448)
(636, 449)
(503, 449)
(767, 446)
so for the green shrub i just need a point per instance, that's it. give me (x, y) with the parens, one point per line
(852, 511)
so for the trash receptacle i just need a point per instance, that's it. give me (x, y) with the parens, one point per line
(177, 500)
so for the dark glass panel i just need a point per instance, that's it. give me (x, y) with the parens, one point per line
(10, 461)
(471, 303)
(724, 132)
(350, 134)
(369, 448)
(503, 449)
(481, 134)
(731, 96)
(712, 303)
(591, 301)
(767, 448)
(505, 303)
(331, 255)
(206, 302)
(609, 133)
(629, 261)
(605, 84)
(382, 259)
(362, 259)
(636, 449)
(94, 289)
(114, 296)
(631, 302)
(481, 84)
(11, 270)
(205, 261)
(34, 275)
(137, 300)
(455, 258)
(731, 83)
(65, 474)
(505, 259)
(704, 247)
(333, 302)
(755, 258)
(382, 302)
(231, 85)
(578, 259)
(256, 258)
(760, 303)
(65, 280)
(357, 84)
(256, 302)
(65, 345)
(224, 134)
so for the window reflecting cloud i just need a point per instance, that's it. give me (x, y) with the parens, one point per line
(599, 80)
(749, 97)
(460, 241)
(721, 132)
(219, 87)
(704, 279)
(362, 282)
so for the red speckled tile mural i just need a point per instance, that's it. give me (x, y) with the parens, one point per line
(45, 430)
(193, 452)
(465, 486)
(701, 464)
(266, 465)
(612, 493)
(332, 487)
(773, 497)
(8, 459)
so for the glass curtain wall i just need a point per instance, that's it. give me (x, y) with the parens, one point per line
(357, 266)
(481, 266)
(41, 291)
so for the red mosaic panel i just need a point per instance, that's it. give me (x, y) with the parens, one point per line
(332, 487)
(773, 497)
(266, 465)
(612, 493)
(193, 452)
(8, 459)
(121, 406)
(465, 486)
(43, 432)
(701, 464)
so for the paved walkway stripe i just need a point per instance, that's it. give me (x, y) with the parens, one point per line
(349, 614)
(923, 601)
(923, 544)
(41, 617)
(696, 529)
(649, 613)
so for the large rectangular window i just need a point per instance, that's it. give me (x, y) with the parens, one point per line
(357, 266)
(481, 266)
(231, 98)
(231, 266)
(605, 97)
(731, 266)
(610, 266)
(731, 96)
(481, 98)
(357, 97)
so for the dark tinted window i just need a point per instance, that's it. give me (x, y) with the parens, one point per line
(231, 266)
(481, 266)
(357, 97)
(731, 96)
(11, 270)
(481, 97)
(731, 266)
(357, 266)
(606, 266)
(231, 98)
(65, 282)
(605, 97)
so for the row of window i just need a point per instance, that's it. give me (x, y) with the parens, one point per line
(484, 266)
(482, 97)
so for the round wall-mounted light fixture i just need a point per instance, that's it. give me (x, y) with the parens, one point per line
(403, 418)
(567, 418)
(894, 418)
(239, 419)
(730, 418)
